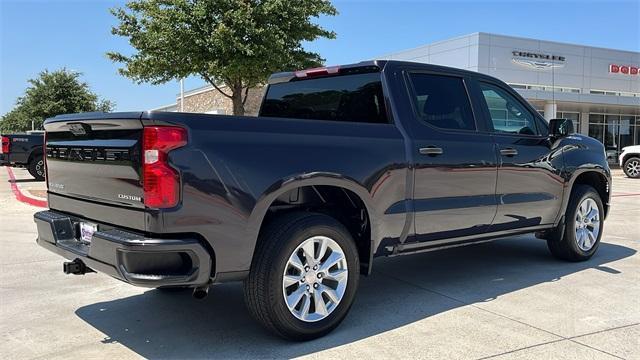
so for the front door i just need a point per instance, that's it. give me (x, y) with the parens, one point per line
(455, 164)
(529, 187)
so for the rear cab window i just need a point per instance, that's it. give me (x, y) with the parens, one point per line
(348, 98)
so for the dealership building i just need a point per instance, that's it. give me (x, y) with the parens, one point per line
(598, 88)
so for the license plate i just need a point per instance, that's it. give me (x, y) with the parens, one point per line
(87, 230)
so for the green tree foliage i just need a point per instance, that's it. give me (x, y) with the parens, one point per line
(236, 43)
(51, 94)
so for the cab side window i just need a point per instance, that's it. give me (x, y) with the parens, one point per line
(508, 114)
(442, 101)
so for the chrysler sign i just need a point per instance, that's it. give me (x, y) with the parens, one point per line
(536, 60)
(623, 69)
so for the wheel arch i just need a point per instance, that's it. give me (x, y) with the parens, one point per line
(35, 152)
(599, 179)
(259, 215)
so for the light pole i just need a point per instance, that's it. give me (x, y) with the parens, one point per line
(181, 95)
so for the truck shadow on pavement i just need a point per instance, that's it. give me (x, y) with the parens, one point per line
(17, 181)
(401, 291)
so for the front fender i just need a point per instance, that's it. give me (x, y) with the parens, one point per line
(584, 155)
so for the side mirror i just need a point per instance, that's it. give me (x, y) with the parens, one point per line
(560, 127)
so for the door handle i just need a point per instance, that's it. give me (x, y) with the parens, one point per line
(508, 152)
(431, 151)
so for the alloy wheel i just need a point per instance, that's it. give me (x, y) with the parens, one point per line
(633, 168)
(587, 225)
(315, 279)
(40, 167)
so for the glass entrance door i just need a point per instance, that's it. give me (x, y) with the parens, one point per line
(615, 132)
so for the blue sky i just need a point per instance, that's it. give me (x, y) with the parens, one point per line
(38, 34)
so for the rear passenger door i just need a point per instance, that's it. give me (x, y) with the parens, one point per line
(454, 159)
(530, 185)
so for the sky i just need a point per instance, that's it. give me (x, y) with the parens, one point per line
(38, 34)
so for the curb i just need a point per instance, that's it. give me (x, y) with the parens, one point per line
(22, 197)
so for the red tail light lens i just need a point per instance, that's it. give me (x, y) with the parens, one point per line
(161, 182)
(6, 145)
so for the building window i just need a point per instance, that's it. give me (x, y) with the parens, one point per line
(615, 132)
(573, 116)
(545, 88)
(613, 93)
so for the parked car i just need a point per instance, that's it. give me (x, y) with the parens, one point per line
(24, 150)
(629, 161)
(344, 164)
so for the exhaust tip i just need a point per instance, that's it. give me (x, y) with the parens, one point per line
(201, 292)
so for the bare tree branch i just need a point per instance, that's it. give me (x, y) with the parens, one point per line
(246, 95)
(210, 81)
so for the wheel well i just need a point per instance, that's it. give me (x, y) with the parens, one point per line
(337, 202)
(34, 153)
(628, 156)
(598, 182)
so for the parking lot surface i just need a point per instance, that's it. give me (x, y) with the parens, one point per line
(507, 299)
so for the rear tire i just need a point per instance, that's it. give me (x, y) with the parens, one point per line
(282, 272)
(36, 167)
(631, 167)
(583, 226)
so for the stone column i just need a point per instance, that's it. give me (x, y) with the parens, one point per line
(584, 123)
(550, 109)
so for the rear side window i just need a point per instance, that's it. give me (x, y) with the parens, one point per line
(354, 98)
(442, 101)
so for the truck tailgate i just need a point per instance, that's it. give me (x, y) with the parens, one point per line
(96, 158)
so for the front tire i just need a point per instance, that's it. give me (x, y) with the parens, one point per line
(583, 226)
(631, 167)
(304, 276)
(36, 167)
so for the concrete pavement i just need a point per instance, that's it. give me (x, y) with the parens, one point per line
(508, 299)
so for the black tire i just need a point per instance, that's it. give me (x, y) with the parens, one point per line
(563, 244)
(263, 287)
(627, 167)
(36, 167)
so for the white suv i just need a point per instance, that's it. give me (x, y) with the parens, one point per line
(630, 161)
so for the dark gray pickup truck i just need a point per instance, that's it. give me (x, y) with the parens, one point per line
(344, 164)
(24, 150)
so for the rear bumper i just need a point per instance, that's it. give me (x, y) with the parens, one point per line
(127, 256)
(4, 159)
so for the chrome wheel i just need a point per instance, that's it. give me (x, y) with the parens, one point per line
(315, 279)
(632, 168)
(587, 224)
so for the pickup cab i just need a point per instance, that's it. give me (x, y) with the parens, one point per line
(343, 165)
(24, 150)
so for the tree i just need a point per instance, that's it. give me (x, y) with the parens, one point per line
(51, 94)
(228, 43)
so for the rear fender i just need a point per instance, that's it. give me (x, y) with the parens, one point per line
(317, 178)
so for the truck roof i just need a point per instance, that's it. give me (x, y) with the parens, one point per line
(362, 66)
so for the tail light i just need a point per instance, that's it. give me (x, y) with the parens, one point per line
(6, 145)
(160, 181)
